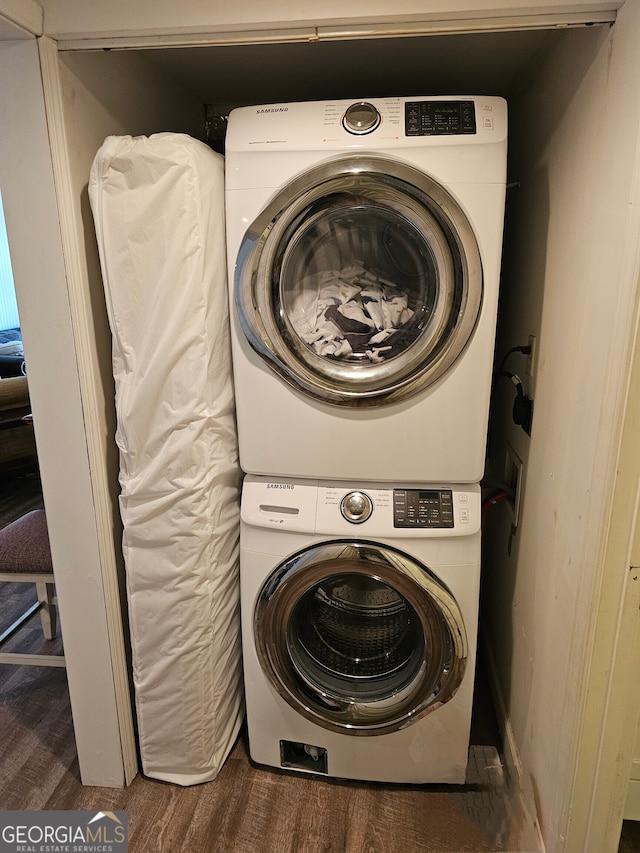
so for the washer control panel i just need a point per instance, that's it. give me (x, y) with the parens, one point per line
(334, 508)
(356, 507)
(424, 508)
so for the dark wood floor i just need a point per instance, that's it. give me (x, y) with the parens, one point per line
(247, 809)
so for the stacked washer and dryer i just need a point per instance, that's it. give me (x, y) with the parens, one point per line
(364, 243)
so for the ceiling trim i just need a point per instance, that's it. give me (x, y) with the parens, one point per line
(498, 24)
(502, 23)
(20, 19)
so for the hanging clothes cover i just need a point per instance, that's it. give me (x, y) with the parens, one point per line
(158, 206)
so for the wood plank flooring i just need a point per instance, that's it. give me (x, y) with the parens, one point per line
(247, 809)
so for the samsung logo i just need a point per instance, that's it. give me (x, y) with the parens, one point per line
(273, 110)
(280, 486)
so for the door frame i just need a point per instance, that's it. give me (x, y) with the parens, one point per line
(81, 534)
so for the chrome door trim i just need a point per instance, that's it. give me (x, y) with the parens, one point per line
(415, 196)
(440, 617)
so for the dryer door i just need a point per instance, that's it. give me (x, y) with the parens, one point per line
(361, 282)
(359, 637)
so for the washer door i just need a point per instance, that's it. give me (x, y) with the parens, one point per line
(359, 637)
(361, 282)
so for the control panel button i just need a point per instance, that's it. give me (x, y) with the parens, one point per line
(361, 118)
(356, 507)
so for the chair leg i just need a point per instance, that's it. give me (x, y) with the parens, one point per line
(48, 615)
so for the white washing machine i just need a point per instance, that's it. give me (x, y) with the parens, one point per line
(359, 618)
(364, 246)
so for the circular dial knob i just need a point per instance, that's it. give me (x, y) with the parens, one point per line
(356, 507)
(361, 118)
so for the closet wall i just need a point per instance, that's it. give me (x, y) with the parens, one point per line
(568, 280)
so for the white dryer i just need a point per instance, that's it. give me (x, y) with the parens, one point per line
(359, 611)
(364, 245)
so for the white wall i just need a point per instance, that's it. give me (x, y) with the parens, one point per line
(567, 281)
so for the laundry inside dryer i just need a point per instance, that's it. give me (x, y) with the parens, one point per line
(358, 282)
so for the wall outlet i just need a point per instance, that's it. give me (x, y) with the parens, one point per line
(513, 476)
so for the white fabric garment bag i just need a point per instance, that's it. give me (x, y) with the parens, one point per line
(158, 206)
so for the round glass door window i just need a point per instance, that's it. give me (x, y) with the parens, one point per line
(360, 282)
(360, 638)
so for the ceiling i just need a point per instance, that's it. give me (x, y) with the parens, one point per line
(485, 63)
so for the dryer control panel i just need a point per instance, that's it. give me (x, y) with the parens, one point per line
(384, 124)
(437, 118)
